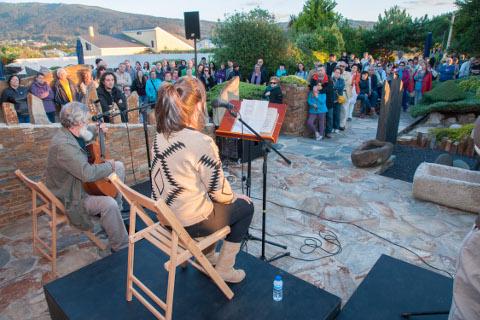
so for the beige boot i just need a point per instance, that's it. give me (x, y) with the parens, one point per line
(226, 261)
(209, 252)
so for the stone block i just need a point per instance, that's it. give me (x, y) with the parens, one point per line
(9, 113)
(449, 121)
(466, 118)
(448, 186)
(36, 110)
(371, 153)
(435, 118)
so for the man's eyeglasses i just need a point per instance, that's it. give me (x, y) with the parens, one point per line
(273, 82)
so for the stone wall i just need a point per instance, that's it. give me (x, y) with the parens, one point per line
(25, 147)
(295, 119)
(464, 147)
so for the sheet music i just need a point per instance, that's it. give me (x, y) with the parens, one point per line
(254, 113)
(270, 121)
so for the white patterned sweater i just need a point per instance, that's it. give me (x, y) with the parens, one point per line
(187, 174)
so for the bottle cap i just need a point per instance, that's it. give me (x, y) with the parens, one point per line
(278, 278)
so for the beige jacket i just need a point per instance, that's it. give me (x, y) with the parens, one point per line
(67, 168)
(187, 174)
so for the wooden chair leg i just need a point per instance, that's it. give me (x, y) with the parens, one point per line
(131, 248)
(34, 221)
(171, 277)
(95, 240)
(54, 240)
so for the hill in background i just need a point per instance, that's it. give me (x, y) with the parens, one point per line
(63, 22)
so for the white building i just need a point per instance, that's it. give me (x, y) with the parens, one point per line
(131, 42)
(102, 45)
(158, 39)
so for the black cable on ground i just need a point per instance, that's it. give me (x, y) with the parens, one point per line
(312, 244)
(361, 228)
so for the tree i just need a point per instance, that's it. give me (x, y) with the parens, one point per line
(315, 14)
(354, 38)
(396, 30)
(245, 37)
(467, 27)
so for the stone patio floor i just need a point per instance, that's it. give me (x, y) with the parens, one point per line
(322, 181)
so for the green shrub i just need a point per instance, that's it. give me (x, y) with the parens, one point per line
(470, 84)
(445, 91)
(453, 134)
(462, 106)
(247, 91)
(478, 94)
(294, 80)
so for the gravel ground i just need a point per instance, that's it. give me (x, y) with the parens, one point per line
(409, 158)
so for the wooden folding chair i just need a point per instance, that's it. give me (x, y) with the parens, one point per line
(169, 236)
(55, 209)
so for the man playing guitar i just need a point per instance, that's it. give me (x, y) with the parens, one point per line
(68, 168)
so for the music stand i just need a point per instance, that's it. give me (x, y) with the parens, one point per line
(225, 130)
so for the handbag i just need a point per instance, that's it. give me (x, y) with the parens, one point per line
(341, 99)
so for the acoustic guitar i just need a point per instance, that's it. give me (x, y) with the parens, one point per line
(98, 153)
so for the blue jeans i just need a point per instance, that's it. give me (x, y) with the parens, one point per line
(337, 107)
(365, 102)
(405, 99)
(329, 121)
(23, 118)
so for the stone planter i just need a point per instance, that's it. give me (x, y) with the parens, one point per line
(448, 186)
(371, 153)
(295, 97)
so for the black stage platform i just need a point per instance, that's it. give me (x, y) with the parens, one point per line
(97, 291)
(393, 287)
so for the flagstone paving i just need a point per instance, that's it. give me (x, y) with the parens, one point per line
(322, 182)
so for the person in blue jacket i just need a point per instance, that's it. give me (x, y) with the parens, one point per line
(317, 102)
(152, 86)
(447, 70)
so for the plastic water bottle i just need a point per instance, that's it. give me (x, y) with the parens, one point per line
(277, 288)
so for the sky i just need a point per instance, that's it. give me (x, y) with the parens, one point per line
(216, 9)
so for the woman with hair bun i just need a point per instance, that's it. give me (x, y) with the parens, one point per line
(188, 174)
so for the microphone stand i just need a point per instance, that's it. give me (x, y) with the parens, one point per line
(267, 146)
(143, 110)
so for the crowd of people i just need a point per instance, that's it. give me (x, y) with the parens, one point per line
(343, 82)
(337, 85)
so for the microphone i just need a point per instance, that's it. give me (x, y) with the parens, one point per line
(101, 115)
(219, 103)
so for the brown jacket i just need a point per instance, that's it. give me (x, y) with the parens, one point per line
(67, 168)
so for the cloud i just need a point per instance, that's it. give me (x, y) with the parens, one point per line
(428, 3)
(252, 3)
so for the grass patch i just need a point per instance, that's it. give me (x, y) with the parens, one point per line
(294, 80)
(470, 104)
(446, 91)
(453, 134)
(247, 91)
(471, 84)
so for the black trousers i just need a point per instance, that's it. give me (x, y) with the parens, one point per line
(237, 215)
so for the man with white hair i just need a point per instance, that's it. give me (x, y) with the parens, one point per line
(68, 168)
(64, 89)
(123, 77)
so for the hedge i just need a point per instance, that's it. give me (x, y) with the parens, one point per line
(294, 80)
(456, 134)
(247, 91)
(445, 91)
(463, 106)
